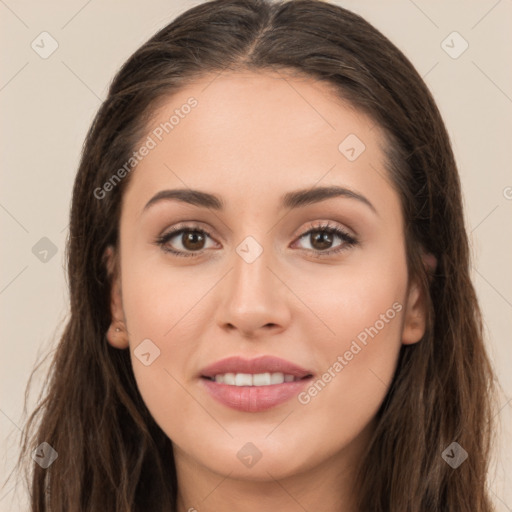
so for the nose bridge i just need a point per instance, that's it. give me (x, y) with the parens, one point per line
(251, 280)
(252, 294)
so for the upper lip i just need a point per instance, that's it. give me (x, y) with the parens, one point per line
(262, 364)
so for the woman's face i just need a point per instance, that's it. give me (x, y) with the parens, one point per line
(250, 281)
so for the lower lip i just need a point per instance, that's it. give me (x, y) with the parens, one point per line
(254, 398)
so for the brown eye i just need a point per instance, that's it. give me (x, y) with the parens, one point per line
(322, 237)
(321, 240)
(184, 241)
(192, 240)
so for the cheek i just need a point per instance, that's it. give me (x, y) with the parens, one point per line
(157, 299)
(365, 301)
(360, 348)
(161, 309)
(357, 372)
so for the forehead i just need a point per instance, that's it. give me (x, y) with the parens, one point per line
(258, 132)
(261, 107)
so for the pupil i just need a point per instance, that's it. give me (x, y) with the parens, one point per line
(191, 240)
(324, 238)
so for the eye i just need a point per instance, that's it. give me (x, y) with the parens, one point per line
(191, 239)
(321, 239)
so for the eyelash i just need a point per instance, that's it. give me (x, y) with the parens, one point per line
(349, 240)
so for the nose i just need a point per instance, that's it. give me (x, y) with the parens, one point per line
(253, 298)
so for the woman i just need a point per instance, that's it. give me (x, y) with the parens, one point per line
(320, 347)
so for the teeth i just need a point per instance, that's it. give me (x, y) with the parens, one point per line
(260, 379)
(243, 379)
(257, 379)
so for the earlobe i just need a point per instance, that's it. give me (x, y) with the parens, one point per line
(415, 317)
(117, 337)
(117, 334)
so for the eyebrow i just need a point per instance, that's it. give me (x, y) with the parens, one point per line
(291, 200)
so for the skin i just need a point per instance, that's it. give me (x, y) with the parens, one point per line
(252, 138)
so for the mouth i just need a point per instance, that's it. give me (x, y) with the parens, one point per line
(256, 379)
(254, 385)
(264, 370)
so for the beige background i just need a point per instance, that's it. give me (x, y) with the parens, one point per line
(48, 104)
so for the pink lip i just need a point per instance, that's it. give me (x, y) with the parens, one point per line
(262, 364)
(254, 398)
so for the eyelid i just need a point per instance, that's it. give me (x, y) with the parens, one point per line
(348, 240)
(180, 228)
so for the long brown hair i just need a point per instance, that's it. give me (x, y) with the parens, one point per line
(111, 454)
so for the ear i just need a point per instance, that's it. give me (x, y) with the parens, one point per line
(415, 317)
(117, 334)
